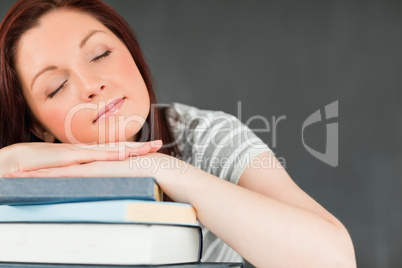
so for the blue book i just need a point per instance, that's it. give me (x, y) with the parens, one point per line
(27, 191)
(114, 211)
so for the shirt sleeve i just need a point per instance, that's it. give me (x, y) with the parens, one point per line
(221, 145)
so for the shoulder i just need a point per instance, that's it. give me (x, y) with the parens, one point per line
(189, 118)
(199, 126)
(178, 113)
(214, 141)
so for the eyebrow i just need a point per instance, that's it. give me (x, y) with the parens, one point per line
(49, 68)
(86, 38)
(52, 67)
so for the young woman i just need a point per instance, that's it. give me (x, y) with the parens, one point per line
(75, 93)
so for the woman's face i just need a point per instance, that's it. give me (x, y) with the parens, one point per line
(80, 81)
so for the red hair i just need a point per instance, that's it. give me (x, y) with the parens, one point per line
(15, 119)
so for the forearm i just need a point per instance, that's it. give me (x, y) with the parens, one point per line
(269, 233)
(265, 231)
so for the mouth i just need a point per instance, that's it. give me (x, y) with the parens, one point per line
(110, 109)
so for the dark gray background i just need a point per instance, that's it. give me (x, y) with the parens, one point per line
(292, 58)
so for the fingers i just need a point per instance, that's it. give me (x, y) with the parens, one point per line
(94, 169)
(18, 174)
(61, 155)
(156, 145)
(36, 156)
(138, 149)
(114, 151)
(129, 146)
(68, 171)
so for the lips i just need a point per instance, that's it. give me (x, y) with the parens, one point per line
(109, 110)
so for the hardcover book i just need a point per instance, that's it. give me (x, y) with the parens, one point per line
(114, 211)
(19, 191)
(99, 243)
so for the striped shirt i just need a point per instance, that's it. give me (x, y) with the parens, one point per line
(219, 144)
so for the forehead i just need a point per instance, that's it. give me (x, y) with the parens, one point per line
(58, 27)
(58, 33)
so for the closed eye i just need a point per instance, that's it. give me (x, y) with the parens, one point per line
(104, 55)
(51, 95)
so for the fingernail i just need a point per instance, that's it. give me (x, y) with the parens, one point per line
(156, 143)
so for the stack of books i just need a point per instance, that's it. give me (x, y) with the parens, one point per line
(95, 222)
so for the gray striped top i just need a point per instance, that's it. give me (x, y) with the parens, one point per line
(219, 144)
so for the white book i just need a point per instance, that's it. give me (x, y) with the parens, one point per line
(99, 243)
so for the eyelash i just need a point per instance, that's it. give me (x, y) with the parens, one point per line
(51, 95)
(104, 55)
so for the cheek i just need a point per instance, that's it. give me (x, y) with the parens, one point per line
(77, 126)
(53, 120)
(134, 85)
(66, 123)
(127, 70)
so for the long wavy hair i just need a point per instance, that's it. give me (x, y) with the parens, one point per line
(15, 119)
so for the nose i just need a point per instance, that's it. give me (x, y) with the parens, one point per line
(91, 86)
(92, 92)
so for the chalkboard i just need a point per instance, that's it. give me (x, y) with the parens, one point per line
(324, 73)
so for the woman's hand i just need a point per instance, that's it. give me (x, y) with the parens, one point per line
(22, 158)
(133, 166)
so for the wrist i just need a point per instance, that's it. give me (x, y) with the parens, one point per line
(171, 173)
(155, 164)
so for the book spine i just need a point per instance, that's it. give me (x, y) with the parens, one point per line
(22, 191)
(201, 246)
